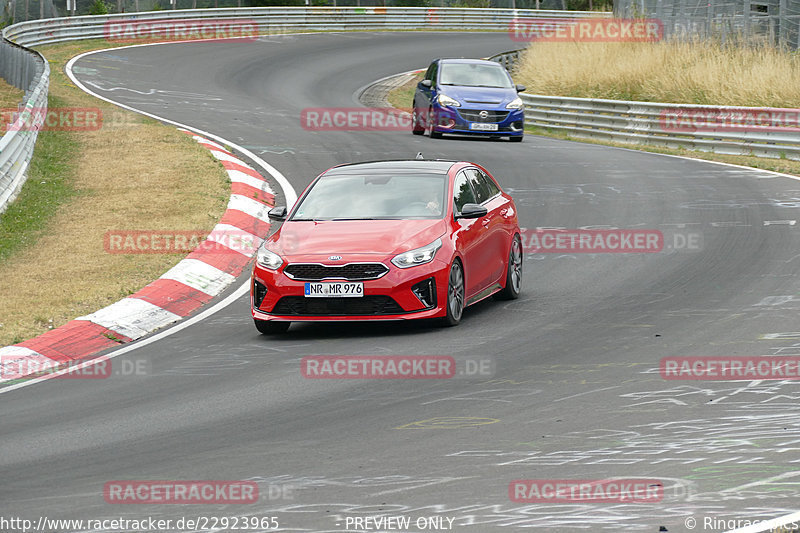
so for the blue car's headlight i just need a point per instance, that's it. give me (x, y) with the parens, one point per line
(445, 100)
(516, 103)
(418, 256)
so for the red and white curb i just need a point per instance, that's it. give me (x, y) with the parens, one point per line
(195, 280)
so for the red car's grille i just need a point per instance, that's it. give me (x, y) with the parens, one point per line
(366, 305)
(349, 271)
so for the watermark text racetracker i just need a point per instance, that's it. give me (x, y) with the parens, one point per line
(155, 30)
(730, 368)
(179, 241)
(355, 119)
(725, 119)
(586, 30)
(586, 490)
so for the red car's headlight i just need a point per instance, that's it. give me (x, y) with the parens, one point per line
(418, 256)
(268, 259)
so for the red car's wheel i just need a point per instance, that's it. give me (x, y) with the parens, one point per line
(455, 294)
(513, 272)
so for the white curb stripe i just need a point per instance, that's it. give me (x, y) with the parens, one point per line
(236, 239)
(132, 317)
(200, 276)
(251, 207)
(240, 177)
(222, 156)
(16, 361)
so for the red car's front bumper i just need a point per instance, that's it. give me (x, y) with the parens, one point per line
(390, 297)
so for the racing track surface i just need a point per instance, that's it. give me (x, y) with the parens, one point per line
(576, 392)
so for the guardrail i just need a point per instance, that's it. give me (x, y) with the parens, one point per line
(26, 70)
(271, 20)
(29, 70)
(762, 132)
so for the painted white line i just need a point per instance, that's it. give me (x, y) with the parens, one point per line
(792, 520)
(288, 191)
(238, 293)
(200, 276)
(132, 317)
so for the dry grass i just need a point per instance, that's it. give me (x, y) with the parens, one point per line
(697, 73)
(134, 173)
(10, 96)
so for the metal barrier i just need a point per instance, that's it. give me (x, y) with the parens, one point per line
(272, 20)
(29, 70)
(26, 70)
(762, 132)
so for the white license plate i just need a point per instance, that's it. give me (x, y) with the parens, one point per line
(334, 290)
(479, 126)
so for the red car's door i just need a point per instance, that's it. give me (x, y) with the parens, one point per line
(471, 238)
(494, 247)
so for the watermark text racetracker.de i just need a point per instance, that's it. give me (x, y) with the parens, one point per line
(396, 367)
(51, 119)
(589, 240)
(13, 367)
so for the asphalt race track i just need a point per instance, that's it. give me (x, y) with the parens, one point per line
(574, 390)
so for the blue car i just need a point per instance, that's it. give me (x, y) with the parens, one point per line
(468, 96)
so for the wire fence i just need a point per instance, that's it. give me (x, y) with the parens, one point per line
(775, 22)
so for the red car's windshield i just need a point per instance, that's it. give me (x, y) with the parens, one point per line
(377, 196)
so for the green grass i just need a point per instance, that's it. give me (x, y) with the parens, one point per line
(49, 186)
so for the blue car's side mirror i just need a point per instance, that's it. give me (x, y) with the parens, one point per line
(425, 83)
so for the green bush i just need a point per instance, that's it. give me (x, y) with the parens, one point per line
(99, 7)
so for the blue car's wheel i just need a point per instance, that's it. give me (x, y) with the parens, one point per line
(431, 122)
(417, 121)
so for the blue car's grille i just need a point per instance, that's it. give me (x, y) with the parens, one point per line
(474, 115)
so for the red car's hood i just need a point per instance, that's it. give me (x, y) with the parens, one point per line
(339, 237)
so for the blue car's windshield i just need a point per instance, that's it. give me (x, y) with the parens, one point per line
(378, 196)
(474, 75)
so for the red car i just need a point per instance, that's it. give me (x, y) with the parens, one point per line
(388, 240)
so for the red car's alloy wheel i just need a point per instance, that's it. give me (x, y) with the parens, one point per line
(455, 294)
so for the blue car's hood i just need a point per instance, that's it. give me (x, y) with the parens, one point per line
(483, 97)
